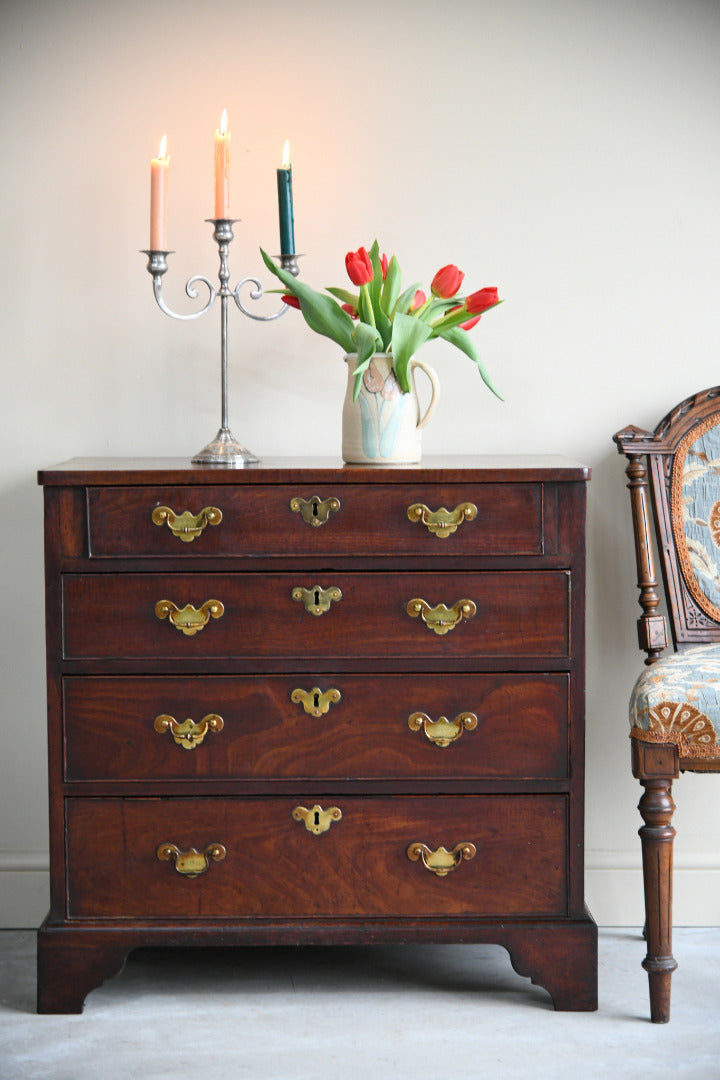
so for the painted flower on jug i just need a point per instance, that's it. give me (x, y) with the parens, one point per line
(382, 317)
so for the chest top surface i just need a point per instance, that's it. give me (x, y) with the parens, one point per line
(507, 468)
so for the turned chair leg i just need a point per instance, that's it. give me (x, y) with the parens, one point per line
(656, 807)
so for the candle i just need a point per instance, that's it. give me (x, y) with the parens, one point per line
(222, 169)
(159, 169)
(285, 204)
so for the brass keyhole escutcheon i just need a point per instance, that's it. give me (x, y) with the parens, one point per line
(188, 734)
(441, 619)
(441, 861)
(190, 863)
(443, 732)
(315, 511)
(316, 600)
(315, 702)
(316, 820)
(186, 526)
(442, 522)
(189, 620)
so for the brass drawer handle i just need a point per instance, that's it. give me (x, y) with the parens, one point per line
(188, 734)
(441, 861)
(316, 600)
(441, 619)
(186, 526)
(315, 702)
(314, 511)
(442, 522)
(191, 863)
(189, 619)
(316, 820)
(443, 732)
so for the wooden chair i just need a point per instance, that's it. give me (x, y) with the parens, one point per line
(675, 704)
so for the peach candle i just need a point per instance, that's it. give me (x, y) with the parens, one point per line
(159, 169)
(222, 169)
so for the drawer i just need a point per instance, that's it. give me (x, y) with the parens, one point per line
(505, 519)
(300, 727)
(517, 614)
(271, 865)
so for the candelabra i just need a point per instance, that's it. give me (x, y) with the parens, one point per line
(224, 448)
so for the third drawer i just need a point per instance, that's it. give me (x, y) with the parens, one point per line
(146, 728)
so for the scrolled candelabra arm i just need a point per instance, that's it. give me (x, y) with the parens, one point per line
(157, 265)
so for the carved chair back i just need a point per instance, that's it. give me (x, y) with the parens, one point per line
(679, 465)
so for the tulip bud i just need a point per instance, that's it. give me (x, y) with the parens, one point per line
(291, 301)
(481, 300)
(447, 281)
(352, 312)
(384, 265)
(418, 300)
(359, 267)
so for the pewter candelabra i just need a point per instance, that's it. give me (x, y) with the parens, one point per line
(224, 448)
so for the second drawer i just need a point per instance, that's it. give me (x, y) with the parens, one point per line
(296, 727)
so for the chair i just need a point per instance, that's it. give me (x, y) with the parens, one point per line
(675, 704)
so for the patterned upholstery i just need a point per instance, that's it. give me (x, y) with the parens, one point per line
(695, 499)
(677, 700)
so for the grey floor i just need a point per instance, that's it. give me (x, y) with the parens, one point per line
(421, 1012)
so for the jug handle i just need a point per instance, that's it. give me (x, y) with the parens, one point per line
(435, 384)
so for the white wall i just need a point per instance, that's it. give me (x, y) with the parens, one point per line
(565, 150)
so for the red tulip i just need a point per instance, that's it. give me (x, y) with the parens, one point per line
(359, 267)
(481, 300)
(418, 300)
(465, 325)
(447, 281)
(291, 301)
(384, 265)
(352, 312)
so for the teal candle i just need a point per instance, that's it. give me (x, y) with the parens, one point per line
(285, 205)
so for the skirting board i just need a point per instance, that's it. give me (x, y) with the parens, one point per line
(613, 890)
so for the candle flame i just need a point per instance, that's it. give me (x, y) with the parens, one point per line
(223, 122)
(286, 155)
(162, 152)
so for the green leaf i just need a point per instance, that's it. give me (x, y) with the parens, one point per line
(380, 317)
(462, 340)
(365, 308)
(321, 313)
(391, 287)
(405, 300)
(366, 345)
(345, 296)
(407, 337)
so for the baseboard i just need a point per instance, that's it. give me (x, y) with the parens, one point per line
(24, 889)
(613, 889)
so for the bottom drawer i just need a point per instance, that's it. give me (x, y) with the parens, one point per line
(125, 857)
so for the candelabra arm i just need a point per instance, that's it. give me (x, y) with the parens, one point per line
(256, 294)
(157, 266)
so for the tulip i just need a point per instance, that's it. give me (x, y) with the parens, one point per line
(447, 281)
(352, 312)
(481, 300)
(418, 300)
(359, 267)
(465, 325)
(384, 265)
(291, 301)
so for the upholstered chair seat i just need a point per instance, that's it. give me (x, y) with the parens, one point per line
(677, 700)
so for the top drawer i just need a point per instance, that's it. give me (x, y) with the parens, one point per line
(340, 519)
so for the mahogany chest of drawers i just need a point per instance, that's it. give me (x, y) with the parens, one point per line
(304, 703)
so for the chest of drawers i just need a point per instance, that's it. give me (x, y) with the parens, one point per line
(303, 703)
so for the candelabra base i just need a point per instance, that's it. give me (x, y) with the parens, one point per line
(225, 450)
